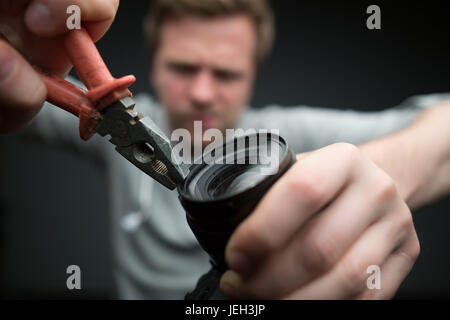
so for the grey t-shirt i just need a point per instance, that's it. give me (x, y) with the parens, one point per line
(156, 256)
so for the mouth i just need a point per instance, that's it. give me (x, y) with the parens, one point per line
(208, 120)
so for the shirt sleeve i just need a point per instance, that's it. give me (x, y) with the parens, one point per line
(307, 128)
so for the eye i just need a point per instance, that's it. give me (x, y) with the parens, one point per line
(227, 75)
(183, 69)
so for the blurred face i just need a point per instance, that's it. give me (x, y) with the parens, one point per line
(204, 70)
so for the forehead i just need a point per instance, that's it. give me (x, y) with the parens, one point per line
(220, 42)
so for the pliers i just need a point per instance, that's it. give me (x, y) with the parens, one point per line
(106, 108)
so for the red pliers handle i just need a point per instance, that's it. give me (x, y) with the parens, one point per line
(103, 88)
(107, 109)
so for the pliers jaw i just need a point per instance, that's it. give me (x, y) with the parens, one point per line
(141, 141)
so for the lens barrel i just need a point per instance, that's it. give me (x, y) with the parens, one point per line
(218, 196)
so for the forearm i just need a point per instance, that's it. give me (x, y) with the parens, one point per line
(417, 157)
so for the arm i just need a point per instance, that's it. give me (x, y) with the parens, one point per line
(417, 157)
(341, 209)
(309, 128)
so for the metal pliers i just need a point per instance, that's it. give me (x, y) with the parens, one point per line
(107, 108)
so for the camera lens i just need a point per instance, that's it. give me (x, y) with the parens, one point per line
(242, 180)
(226, 186)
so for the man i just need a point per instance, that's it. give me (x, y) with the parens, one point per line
(337, 211)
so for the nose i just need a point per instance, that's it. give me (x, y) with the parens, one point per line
(202, 89)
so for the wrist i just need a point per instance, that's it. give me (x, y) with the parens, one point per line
(417, 157)
(393, 154)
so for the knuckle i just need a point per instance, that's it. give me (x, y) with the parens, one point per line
(309, 188)
(319, 254)
(415, 252)
(406, 220)
(402, 220)
(353, 275)
(351, 152)
(386, 189)
(254, 237)
(414, 248)
(411, 252)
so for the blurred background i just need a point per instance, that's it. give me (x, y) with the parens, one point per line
(53, 212)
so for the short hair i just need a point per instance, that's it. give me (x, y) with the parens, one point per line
(258, 10)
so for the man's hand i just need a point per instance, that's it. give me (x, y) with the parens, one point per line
(30, 33)
(319, 228)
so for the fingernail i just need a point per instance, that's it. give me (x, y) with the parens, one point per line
(240, 263)
(38, 18)
(7, 63)
(230, 291)
(230, 283)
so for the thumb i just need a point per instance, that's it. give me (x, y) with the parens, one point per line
(22, 92)
(49, 17)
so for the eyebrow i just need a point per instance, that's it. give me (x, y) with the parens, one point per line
(179, 64)
(193, 67)
(227, 73)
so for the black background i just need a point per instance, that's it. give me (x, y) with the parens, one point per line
(54, 212)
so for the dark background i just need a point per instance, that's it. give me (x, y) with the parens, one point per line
(54, 214)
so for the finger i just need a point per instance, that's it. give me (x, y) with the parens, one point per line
(22, 92)
(49, 17)
(325, 238)
(349, 277)
(307, 187)
(302, 155)
(12, 7)
(395, 270)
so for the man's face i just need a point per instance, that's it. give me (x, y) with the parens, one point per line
(204, 69)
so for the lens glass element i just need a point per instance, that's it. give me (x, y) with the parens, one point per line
(238, 165)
